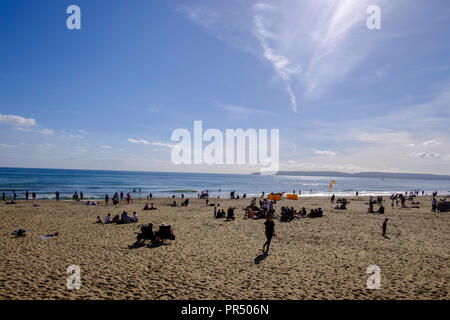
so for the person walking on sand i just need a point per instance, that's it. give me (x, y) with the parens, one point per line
(270, 232)
(433, 204)
(384, 226)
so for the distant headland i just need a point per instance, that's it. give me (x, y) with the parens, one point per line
(382, 175)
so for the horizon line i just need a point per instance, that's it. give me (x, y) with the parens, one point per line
(251, 173)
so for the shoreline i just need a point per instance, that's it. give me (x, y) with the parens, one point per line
(249, 196)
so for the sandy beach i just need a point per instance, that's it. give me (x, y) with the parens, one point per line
(321, 258)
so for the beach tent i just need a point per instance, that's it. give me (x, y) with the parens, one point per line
(276, 197)
(292, 196)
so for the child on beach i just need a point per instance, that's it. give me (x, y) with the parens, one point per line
(269, 231)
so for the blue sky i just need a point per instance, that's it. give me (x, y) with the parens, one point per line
(109, 96)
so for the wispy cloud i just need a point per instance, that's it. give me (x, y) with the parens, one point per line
(199, 15)
(243, 112)
(138, 141)
(311, 45)
(279, 62)
(163, 144)
(325, 153)
(424, 155)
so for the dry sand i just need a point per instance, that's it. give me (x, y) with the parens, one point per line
(322, 258)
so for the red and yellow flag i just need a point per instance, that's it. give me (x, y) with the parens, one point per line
(331, 184)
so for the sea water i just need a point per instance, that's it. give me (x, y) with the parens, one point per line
(95, 184)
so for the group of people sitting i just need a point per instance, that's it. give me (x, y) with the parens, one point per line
(254, 212)
(124, 218)
(371, 210)
(146, 207)
(185, 203)
(147, 233)
(218, 214)
(289, 214)
(342, 204)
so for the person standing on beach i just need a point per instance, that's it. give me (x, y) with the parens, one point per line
(14, 195)
(4, 196)
(269, 231)
(384, 226)
(27, 194)
(57, 195)
(106, 199)
(433, 204)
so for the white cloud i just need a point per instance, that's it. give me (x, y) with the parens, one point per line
(424, 155)
(199, 15)
(325, 153)
(138, 141)
(105, 147)
(46, 132)
(311, 45)
(17, 120)
(22, 129)
(71, 136)
(431, 143)
(243, 112)
(263, 7)
(280, 63)
(162, 144)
